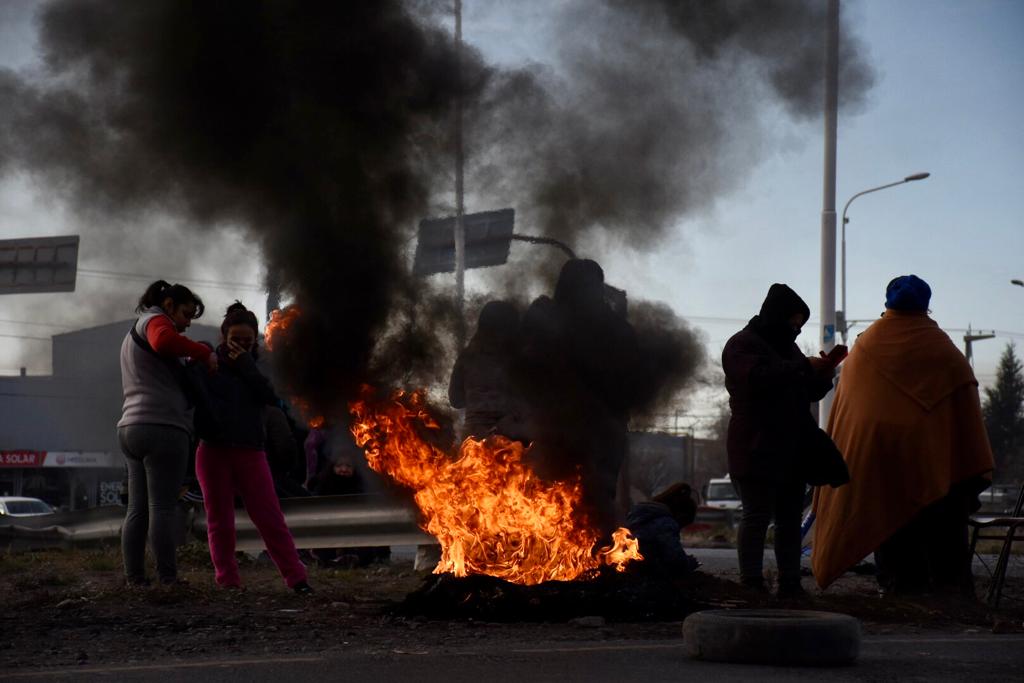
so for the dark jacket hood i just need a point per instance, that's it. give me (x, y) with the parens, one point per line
(772, 322)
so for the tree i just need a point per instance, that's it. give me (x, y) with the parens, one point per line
(1003, 410)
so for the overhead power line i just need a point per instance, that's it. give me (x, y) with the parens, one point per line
(25, 336)
(216, 284)
(35, 324)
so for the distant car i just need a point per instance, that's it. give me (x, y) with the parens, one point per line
(14, 506)
(721, 494)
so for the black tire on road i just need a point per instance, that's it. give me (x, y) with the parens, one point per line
(772, 636)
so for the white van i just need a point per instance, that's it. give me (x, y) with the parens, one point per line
(721, 494)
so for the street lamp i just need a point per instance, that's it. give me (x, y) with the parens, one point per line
(1019, 283)
(909, 178)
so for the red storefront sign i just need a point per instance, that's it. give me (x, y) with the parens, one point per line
(22, 458)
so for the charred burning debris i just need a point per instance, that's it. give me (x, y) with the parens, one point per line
(323, 130)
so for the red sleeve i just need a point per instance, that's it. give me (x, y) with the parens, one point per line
(166, 341)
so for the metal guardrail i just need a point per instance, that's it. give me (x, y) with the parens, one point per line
(315, 522)
(61, 529)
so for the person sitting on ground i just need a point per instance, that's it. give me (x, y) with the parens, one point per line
(657, 523)
(907, 418)
(341, 478)
(338, 478)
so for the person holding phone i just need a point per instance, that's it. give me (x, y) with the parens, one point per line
(231, 457)
(771, 385)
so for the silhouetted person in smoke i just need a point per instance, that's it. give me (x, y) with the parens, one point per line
(580, 372)
(481, 381)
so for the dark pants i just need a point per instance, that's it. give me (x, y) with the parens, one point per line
(929, 553)
(157, 456)
(764, 500)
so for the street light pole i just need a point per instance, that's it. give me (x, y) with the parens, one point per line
(842, 242)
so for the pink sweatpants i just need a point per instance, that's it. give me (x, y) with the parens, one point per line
(222, 471)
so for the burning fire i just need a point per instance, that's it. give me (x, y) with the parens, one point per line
(279, 322)
(489, 511)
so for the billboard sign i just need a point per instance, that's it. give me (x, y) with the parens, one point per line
(488, 235)
(38, 264)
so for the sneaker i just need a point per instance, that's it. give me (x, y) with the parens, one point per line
(303, 588)
(137, 582)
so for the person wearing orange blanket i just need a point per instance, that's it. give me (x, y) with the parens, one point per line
(907, 419)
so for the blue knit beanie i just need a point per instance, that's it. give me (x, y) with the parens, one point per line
(908, 293)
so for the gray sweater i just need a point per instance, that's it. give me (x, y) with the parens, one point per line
(152, 393)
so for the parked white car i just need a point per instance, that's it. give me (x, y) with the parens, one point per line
(721, 494)
(15, 506)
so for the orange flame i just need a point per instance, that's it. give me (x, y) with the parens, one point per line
(488, 510)
(315, 422)
(279, 322)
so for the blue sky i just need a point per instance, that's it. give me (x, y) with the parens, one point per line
(948, 100)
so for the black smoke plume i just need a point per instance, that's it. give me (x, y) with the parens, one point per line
(318, 126)
(324, 129)
(654, 110)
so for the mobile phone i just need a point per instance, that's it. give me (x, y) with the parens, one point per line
(838, 354)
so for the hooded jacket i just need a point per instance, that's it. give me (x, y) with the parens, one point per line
(658, 533)
(771, 385)
(237, 393)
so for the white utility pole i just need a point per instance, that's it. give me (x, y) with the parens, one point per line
(828, 211)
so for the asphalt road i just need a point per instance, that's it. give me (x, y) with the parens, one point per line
(974, 658)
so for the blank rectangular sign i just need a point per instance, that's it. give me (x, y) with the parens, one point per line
(488, 235)
(38, 264)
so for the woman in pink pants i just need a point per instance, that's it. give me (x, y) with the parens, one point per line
(231, 458)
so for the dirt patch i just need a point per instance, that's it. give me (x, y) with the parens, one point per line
(71, 607)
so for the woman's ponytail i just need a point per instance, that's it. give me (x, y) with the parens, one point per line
(160, 290)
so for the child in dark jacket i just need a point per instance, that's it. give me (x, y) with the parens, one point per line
(231, 457)
(656, 524)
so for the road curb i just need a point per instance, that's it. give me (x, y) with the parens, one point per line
(772, 636)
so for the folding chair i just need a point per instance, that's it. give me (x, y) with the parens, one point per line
(1010, 524)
